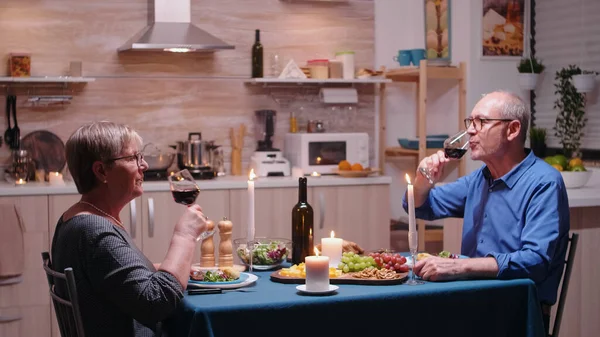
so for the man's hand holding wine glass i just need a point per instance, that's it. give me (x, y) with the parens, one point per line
(434, 164)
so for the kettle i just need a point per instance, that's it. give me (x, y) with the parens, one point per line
(196, 154)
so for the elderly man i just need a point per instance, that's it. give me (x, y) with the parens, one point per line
(515, 207)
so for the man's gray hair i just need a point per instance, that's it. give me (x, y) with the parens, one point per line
(511, 106)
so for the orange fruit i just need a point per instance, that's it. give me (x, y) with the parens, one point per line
(558, 167)
(344, 165)
(357, 167)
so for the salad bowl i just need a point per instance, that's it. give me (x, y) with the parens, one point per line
(267, 253)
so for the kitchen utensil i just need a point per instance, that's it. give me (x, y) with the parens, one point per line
(21, 165)
(215, 291)
(158, 159)
(46, 150)
(197, 154)
(8, 132)
(16, 132)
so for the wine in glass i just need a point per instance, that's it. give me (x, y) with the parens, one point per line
(413, 244)
(185, 191)
(454, 147)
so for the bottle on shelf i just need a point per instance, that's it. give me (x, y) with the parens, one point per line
(302, 225)
(257, 57)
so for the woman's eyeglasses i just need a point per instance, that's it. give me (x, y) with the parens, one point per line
(139, 157)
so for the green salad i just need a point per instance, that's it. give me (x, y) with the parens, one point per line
(264, 254)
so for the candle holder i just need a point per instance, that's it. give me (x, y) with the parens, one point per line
(413, 244)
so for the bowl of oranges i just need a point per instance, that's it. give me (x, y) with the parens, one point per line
(574, 174)
(354, 170)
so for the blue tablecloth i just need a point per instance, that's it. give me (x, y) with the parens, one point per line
(458, 308)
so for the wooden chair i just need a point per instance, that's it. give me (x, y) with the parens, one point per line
(565, 284)
(67, 309)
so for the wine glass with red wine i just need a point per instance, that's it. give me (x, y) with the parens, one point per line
(185, 191)
(454, 147)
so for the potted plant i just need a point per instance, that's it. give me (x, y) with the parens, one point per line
(570, 104)
(537, 141)
(529, 72)
(585, 81)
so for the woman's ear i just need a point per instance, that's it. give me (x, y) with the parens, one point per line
(513, 130)
(99, 169)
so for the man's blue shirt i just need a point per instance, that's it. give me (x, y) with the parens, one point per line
(520, 219)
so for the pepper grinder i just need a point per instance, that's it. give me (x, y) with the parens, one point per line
(207, 249)
(225, 246)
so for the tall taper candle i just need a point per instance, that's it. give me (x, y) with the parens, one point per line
(250, 234)
(412, 227)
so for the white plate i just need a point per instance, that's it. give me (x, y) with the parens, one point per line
(302, 288)
(251, 279)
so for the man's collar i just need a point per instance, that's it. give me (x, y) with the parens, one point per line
(511, 178)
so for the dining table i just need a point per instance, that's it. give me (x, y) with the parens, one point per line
(486, 307)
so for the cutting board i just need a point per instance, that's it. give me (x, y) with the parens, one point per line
(344, 279)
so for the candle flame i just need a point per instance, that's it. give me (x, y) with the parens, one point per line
(56, 174)
(332, 234)
(319, 160)
(251, 176)
(407, 179)
(316, 251)
(315, 174)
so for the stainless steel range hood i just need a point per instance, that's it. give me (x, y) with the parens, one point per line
(169, 29)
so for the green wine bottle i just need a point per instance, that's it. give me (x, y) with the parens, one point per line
(257, 57)
(302, 226)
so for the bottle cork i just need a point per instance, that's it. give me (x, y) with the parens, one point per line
(207, 249)
(225, 246)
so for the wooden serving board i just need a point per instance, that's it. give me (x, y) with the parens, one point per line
(344, 279)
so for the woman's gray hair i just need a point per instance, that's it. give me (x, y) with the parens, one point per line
(96, 141)
(511, 106)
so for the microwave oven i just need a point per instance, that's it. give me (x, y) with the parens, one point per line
(322, 152)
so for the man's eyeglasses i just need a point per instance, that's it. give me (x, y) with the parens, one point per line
(139, 157)
(478, 123)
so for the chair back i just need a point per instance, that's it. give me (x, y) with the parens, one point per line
(565, 284)
(67, 309)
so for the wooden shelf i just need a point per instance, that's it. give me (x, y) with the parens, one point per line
(420, 76)
(47, 79)
(401, 152)
(317, 81)
(412, 74)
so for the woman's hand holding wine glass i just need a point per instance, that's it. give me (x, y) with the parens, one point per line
(185, 191)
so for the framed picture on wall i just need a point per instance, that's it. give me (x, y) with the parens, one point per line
(437, 30)
(504, 29)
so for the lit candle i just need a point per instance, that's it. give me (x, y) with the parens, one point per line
(411, 206)
(251, 178)
(332, 248)
(315, 174)
(21, 181)
(317, 272)
(55, 178)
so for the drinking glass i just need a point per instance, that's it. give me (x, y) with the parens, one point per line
(454, 147)
(413, 244)
(185, 191)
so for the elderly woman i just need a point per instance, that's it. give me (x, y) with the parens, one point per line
(118, 287)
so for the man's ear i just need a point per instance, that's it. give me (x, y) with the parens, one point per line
(513, 130)
(99, 169)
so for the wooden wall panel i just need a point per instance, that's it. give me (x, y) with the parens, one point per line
(165, 95)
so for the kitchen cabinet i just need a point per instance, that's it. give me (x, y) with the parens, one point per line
(25, 305)
(356, 213)
(421, 76)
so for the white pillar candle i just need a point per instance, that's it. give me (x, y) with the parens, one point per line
(332, 248)
(412, 227)
(250, 232)
(317, 272)
(55, 178)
